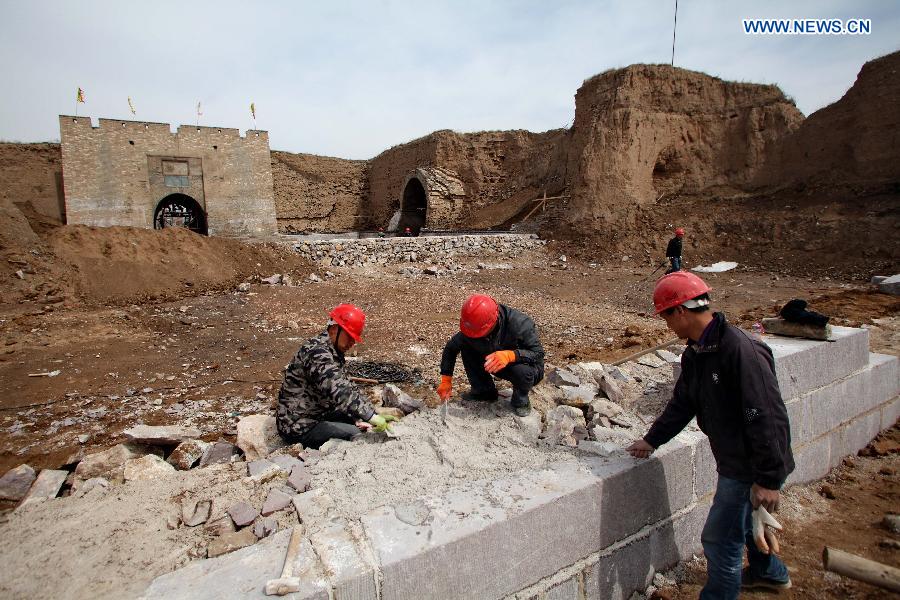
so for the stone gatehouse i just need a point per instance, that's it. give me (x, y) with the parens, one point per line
(139, 174)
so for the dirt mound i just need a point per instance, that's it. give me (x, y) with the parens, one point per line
(32, 174)
(116, 265)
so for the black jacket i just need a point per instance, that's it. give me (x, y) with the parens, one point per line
(514, 331)
(729, 384)
(674, 247)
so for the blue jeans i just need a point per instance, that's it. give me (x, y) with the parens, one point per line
(728, 529)
(676, 264)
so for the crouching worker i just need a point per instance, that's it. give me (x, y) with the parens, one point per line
(494, 340)
(317, 401)
(728, 382)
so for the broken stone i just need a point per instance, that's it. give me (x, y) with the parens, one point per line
(530, 425)
(230, 542)
(264, 527)
(195, 513)
(284, 462)
(578, 397)
(891, 523)
(187, 454)
(619, 374)
(604, 449)
(651, 360)
(275, 501)
(110, 463)
(219, 452)
(890, 285)
(161, 435)
(300, 479)
(220, 526)
(83, 438)
(93, 483)
(611, 389)
(257, 436)
(273, 280)
(890, 544)
(561, 423)
(312, 506)
(394, 397)
(394, 412)
(561, 377)
(146, 468)
(16, 483)
(46, 486)
(669, 357)
(609, 434)
(314, 278)
(779, 326)
(242, 514)
(287, 280)
(257, 467)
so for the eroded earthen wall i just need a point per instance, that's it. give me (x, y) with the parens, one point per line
(32, 174)
(108, 179)
(649, 131)
(318, 193)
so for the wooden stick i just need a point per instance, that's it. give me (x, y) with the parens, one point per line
(862, 569)
(647, 351)
(364, 380)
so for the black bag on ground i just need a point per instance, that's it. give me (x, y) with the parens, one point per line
(795, 312)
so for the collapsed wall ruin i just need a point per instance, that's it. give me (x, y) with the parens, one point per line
(140, 174)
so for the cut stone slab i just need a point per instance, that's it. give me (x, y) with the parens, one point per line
(147, 467)
(195, 513)
(394, 397)
(651, 360)
(265, 527)
(46, 486)
(111, 462)
(260, 466)
(611, 389)
(275, 501)
(890, 285)
(257, 436)
(312, 506)
(352, 576)
(242, 514)
(578, 397)
(669, 357)
(187, 454)
(161, 435)
(219, 452)
(230, 542)
(778, 326)
(15, 483)
(606, 408)
(604, 449)
(561, 377)
(300, 479)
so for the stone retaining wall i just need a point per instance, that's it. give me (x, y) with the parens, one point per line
(596, 529)
(359, 252)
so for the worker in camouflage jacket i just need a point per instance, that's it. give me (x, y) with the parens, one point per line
(317, 401)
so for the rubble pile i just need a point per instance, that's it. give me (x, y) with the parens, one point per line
(383, 251)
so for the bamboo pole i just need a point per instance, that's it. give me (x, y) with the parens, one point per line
(647, 351)
(862, 569)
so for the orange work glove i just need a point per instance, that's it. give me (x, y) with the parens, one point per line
(499, 359)
(445, 387)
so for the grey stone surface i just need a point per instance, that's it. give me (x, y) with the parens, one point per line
(242, 514)
(16, 482)
(285, 462)
(778, 326)
(578, 396)
(561, 377)
(146, 468)
(260, 466)
(669, 357)
(890, 413)
(160, 435)
(351, 577)
(804, 365)
(394, 397)
(265, 527)
(890, 285)
(110, 463)
(300, 478)
(313, 506)
(855, 434)
(567, 590)
(241, 574)
(876, 279)
(651, 360)
(610, 388)
(275, 501)
(617, 574)
(187, 454)
(195, 513)
(45, 487)
(219, 452)
(229, 542)
(812, 460)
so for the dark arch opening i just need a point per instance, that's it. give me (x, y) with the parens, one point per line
(180, 210)
(413, 208)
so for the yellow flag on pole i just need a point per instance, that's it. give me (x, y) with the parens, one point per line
(79, 97)
(253, 109)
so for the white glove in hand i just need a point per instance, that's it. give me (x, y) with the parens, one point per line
(764, 525)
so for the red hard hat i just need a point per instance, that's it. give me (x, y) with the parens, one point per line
(677, 288)
(478, 317)
(679, 231)
(350, 318)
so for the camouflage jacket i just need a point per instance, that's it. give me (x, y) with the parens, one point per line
(314, 386)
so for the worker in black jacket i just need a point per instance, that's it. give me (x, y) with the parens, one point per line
(728, 383)
(494, 340)
(673, 250)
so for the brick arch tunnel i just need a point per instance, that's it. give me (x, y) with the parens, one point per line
(413, 207)
(180, 210)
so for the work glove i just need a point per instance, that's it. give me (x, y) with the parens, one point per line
(446, 386)
(764, 526)
(381, 423)
(498, 360)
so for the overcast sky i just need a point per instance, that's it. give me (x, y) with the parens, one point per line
(351, 79)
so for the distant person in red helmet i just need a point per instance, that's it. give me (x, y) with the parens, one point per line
(407, 232)
(317, 401)
(728, 383)
(673, 250)
(494, 340)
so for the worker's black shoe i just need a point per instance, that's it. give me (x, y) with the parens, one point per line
(472, 396)
(522, 411)
(752, 582)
